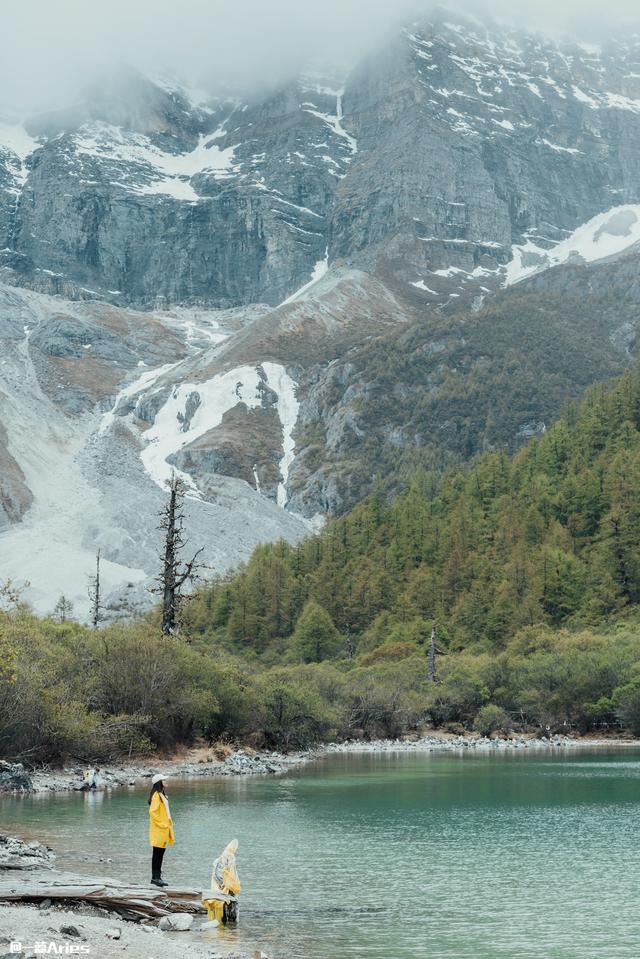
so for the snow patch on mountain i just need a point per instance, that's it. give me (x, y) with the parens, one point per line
(15, 139)
(421, 285)
(16, 145)
(595, 99)
(334, 121)
(288, 409)
(607, 234)
(557, 147)
(194, 409)
(319, 270)
(139, 385)
(161, 172)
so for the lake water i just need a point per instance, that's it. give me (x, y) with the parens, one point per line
(393, 856)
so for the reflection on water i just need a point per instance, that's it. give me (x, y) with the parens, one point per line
(392, 856)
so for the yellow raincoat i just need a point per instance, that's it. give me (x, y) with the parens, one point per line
(160, 822)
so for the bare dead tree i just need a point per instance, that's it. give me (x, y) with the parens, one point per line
(175, 573)
(350, 646)
(432, 654)
(95, 595)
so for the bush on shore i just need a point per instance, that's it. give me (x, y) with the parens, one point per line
(492, 719)
(69, 691)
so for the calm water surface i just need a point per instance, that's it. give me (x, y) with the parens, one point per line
(393, 856)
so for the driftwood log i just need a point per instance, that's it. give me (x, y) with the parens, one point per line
(130, 901)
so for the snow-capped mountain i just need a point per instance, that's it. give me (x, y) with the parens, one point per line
(441, 150)
(211, 285)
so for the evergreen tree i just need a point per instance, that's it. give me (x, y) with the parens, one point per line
(315, 637)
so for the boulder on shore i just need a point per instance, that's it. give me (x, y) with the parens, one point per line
(17, 854)
(178, 922)
(14, 777)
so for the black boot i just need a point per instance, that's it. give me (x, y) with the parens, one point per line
(156, 867)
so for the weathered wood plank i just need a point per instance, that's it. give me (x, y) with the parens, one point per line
(142, 901)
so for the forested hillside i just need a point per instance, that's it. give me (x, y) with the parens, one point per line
(451, 386)
(549, 536)
(527, 565)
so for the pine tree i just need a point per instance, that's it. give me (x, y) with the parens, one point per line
(315, 637)
(63, 610)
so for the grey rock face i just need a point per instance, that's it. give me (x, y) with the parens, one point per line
(446, 146)
(67, 336)
(475, 141)
(15, 496)
(141, 196)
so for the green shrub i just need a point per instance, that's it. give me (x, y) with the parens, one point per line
(385, 699)
(602, 712)
(293, 715)
(492, 719)
(626, 701)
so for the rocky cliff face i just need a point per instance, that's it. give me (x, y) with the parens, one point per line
(445, 147)
(284, 296)
(476, 140)
(84, 463)
(142, 196)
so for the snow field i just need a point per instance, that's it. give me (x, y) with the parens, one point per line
(607, 234)
(172, 430)
(171, 172)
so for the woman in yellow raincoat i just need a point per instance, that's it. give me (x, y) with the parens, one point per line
(160, 828)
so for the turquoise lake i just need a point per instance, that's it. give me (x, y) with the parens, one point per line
(516, 855)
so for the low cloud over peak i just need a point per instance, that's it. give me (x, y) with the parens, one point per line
(50, 50)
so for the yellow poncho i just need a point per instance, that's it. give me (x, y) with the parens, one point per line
(224, 879)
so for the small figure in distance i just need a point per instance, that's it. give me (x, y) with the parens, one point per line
(92, 779)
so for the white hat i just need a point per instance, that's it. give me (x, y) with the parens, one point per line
(158, 778)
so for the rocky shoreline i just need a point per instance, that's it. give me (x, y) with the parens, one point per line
(14, 778)
(247, 762)
(444, 743)
(68, 927)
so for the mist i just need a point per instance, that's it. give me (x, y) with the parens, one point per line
(51, 50)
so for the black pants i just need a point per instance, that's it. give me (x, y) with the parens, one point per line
(156, 861)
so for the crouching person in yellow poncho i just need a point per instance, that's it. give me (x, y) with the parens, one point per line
(224, 884)
(160, 828)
